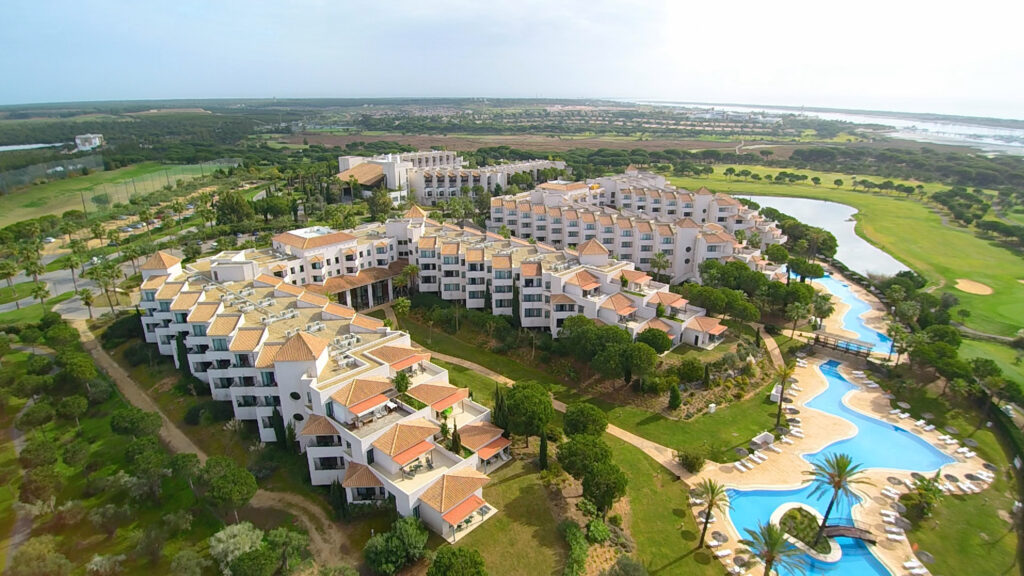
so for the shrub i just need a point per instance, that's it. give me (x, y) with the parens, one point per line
(626, 566)
(615, 520)
(99, 392)
(675, 400)
(597, 532)
(38, 365)
(38, 452)
(586, 507)
(121, 330)
(137, 354)
(577, 560)
(692, 460)
(584, 418)
(772, 329)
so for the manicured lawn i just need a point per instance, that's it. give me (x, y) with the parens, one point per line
(910, 232)
(732, 425)
(1003, 355)
(480, 387)
(34, 312)
(686, 351)
(15, 292)
(965, 532)
(665, 532)
(58, 196)
(523, 537)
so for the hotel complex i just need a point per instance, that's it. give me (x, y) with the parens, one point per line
(434, 175)
(280, 329)
(268, 346)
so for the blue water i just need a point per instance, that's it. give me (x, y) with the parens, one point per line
(876, 444)
(852, 319)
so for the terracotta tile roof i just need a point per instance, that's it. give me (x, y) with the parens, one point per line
(360, 476)
(585, 280)
(644, 226)
(592, 248)
(314, 299)
(622, 305)
(302, 347)
(185, 301)
(452, 489)
(404, 436)
(668, 299)
(170, 290)
(367, 322)
(267, 354)
(336, 284)
(203, 311)
(368, 404)
(160, 261)
(659, 324)
(665, 230)
(724, 200)
(246, 339)
(562, 299)
(224, 325)
(501, 262)
(427, 242)
(563, 187)
(463, 510)
(316, 258)
(415, 211)
(339, 310)
(710, 325)
(435, 394)
(288, 289)
(478, 434)
(687, 223)
(318, 425)
(359, 390)
(450, 248)
(367, 174)
(637, 276)
(475, 255)
(267, 280)
(398, 356)
(303, 242)
(718, 238)
(154, 282)
(530, 269)
(492, 447)
(703, 190)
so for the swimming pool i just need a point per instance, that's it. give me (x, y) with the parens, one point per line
(876, 444)
(852, 319)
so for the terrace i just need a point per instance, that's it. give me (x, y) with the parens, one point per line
(422, 471)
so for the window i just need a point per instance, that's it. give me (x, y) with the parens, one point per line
(532, 297)
(165, 306)
(149, 295)
(532, 312)
(688, 248)
(478, 294)
(502, 289)
(268, 379)
(713, 248)
(199, 330)
(450, 260)
(647, 237)
(179, 317)
(647, 248)
(220, 344)
(645, 260)
(627, 245)
(502, 303)
(452, 287)
(503, 274)
(666, 240)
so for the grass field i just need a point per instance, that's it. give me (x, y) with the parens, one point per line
(15, 292)
(61, 195)
(34, 312)
(910, 232)
(1002, 354)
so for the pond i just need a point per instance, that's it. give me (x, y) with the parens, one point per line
(837, 218)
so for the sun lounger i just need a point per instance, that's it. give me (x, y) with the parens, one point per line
(712, 543)
(911, 564)
(894, 411)
(889, 520)
(696, 501)
(962, 449)
(872, 385)
(723, 553)
(904, 415)
(951, 442)
(929, 428)
(734, 569)
(970, 454)
(775, 448)
(921, 422)
(919, 571)
(944, 436)
(889, 513)
(893, 530)
(795, 387)
(797, 433)
(785, 440)
(739, 467)
(794, 420)
(896, 537)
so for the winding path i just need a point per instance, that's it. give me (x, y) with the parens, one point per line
(328, 542)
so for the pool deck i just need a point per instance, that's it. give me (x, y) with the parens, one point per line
(786, 470)
(873, 318)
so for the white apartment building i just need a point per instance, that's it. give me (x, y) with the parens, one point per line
(637, 223)
(268, 346)
(432, 175)
(86, 142)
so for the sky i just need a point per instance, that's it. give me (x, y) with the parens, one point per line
(905, 55)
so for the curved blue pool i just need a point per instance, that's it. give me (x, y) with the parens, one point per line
(852, 319)
(876, 444)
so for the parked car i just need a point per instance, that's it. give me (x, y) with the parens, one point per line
(48, 240)
(122, 217)
(126, 229)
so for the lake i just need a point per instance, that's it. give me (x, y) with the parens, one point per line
(837, 218)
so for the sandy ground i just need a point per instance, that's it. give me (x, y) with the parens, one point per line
(786, 470)
(972, 287)
(873, 318)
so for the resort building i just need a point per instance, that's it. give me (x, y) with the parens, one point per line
(433, 175)
(276, 350)
(637, 216)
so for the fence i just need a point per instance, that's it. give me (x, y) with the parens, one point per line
(56, 170)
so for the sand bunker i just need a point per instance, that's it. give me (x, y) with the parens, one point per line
(972, 287)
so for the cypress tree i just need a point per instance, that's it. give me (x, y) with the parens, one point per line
(707, 376)
(543, 452)
(674, 399)
(456, 442)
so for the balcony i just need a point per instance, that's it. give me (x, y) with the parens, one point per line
(420, 472)
(369, 424)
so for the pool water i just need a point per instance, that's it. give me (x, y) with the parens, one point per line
(852, 319)
(876, 444)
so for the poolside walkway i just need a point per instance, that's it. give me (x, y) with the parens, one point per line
(786, 470)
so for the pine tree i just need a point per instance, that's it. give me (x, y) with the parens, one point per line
(543, 452)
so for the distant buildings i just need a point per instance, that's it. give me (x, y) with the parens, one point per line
(433, 175)
(86, 142)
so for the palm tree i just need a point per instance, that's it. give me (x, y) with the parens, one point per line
(87, 298)
(783, 374)
(40, 291)
(660, 263)
(768, 543)
(33, 267)
(796, 311)
(714, 495)
(822, 306)
(8, 271)
(411, 272)
(70, 264)
(837, 473)
(131, 252)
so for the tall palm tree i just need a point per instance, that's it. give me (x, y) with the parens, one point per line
(714, 495)
(796, 312)
(8, 271)
(40, 291)
(411, 272)
(87, 298)
(73, 261)
(836, 473)
(822, 306)
(768, 543)
(660, 263)
(783, 374)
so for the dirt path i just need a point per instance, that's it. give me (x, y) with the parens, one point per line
(773, 349)
(22, 528)
(328, 543)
